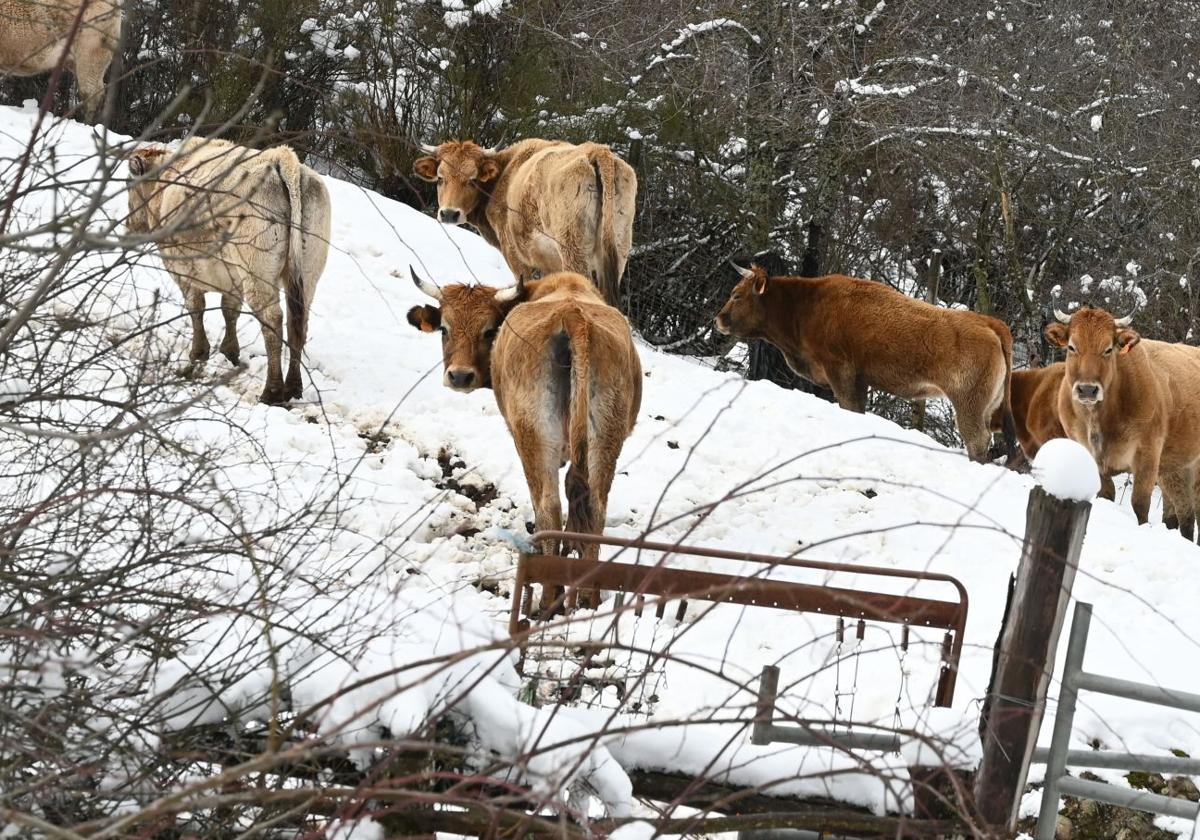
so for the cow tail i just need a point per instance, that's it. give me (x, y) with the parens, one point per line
(297, 309)
(1008, 426)
(580, 512)
(606, 234)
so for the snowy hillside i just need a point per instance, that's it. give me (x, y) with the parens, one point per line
(714, 461)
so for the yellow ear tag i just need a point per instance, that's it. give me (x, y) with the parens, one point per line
(428, 327)
(1127, 348)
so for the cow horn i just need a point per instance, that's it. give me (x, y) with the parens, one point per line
(428, 288)
(745, 272)
(1124, 322)
(1062, 316)
(513, 292)
(427, 149)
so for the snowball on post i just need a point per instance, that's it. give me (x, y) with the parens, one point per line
(1066, 469)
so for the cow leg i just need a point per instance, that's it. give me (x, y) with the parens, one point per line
(1179, 501)
(539, 459)
(849, 390)
(91, 60)
(264, 301)
(1108, 490)
(193, 302)
(973, 428)
(1145, 476)
(231, 307)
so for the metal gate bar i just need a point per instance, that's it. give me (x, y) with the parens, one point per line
(807, 733)
(1074, 680)
(656, 579)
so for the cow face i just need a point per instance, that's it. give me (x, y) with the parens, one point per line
(1094, 340)
(468, 320)
(142, 188)
(744, 314)
(463, 172)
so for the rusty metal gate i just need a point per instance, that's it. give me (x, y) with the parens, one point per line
(634, 583)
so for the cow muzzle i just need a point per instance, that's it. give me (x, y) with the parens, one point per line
(722, 324)
(1088, 393)
(450, 216)
(462, 379)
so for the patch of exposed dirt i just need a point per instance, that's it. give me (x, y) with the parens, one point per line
(482, 494)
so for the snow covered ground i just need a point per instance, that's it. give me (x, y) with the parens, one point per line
(714, 461)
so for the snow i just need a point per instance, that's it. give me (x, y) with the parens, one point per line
(1097, 122)
(1067, 470)
(638, 830)
(756, 469)
(362, 829)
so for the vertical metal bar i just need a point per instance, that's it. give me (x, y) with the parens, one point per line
(1064, 717)
(764, 710)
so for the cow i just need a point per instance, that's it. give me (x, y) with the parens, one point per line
(547, 205)
(1035, 407)
(566, 376)
(34, 34)
(246, 224)
(1135, 404)
(851, 334)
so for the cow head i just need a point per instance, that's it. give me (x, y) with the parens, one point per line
(463, 172)
(744, 314)
(143, 162)
(1094, 340)
(468, 319)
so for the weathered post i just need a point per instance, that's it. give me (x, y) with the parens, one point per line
(1024, 662)
(931, 293)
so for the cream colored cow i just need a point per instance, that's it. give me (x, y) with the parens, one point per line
(242, 222)
(34, 33)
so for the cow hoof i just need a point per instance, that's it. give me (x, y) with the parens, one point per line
(272, 395)
(192, 369)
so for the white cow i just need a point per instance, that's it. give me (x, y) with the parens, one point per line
(242, 222)
(34, 33)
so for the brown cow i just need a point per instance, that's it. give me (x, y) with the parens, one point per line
(1035, 414)
(547, 205)
(1035, 407)
(1135, 404)
(34, 33)
(852, 334)
(567, 380)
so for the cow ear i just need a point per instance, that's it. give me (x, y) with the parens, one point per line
(489, 170)
(137, 166)
(1056, 334)
(760, 283)
(425, 318)
(1127, 339)
(426, 168)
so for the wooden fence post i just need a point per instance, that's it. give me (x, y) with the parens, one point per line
(931, 293)
(1024, 661)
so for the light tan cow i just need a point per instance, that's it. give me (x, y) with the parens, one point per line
(246, 224)
(34, 33)
(567, 379)
(547, 205)
(1135, 404)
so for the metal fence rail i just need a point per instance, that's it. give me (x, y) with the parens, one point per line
(1057, 757)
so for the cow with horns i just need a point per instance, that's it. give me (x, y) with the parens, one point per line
(547, 205)
(851, 334)
(567, 379)
(1135, 404)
